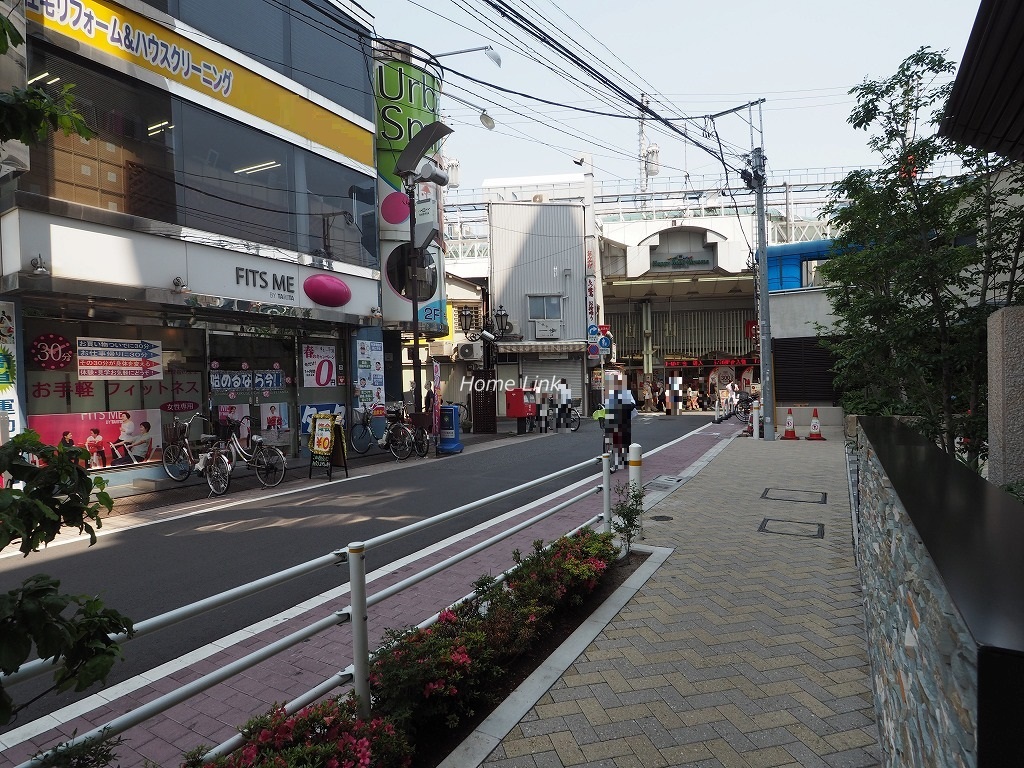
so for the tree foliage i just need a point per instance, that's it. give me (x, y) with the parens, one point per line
(29, 114)
(52, 492)
(921, 261)
(45, 498)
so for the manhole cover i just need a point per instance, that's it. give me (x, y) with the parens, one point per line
(792, 528)
(661, 518)
(787, 494)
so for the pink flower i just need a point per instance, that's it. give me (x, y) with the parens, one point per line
(447, 617)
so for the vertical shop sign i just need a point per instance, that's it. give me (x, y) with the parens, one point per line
(318, 365)
(9, 406)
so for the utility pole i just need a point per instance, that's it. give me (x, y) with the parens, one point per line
(764, 318)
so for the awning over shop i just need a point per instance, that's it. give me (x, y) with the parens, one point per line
(541, 346)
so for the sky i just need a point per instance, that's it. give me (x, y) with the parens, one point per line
(692, 58)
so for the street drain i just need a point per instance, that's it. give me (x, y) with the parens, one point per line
(661, 518)
(792, 528)
(786, 494)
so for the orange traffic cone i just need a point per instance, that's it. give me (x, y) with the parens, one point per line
(815, 427)
(790, 433)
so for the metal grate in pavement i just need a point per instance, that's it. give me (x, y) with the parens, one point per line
(787, 494)
(792, 528)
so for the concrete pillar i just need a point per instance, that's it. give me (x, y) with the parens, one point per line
(1006, 396)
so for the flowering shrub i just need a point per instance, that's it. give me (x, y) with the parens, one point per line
(328, 734)
(565, 572)
(432, 678)
(423, 682)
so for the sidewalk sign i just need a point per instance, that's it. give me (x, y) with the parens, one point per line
(326, 445)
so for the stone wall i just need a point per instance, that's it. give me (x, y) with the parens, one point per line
(923, 657)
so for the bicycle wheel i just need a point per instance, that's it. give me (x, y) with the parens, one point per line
(421, 441)
(574, 420)
(401, 441)
(270, 466)
(176, 462)
(743, 411)
(218, 474)
(361, 438)
(463, 416)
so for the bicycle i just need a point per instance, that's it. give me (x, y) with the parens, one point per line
(574, 417)
(179, 459)
(464, 421)
(741, 409)
(397, 437)
(218, 469)
(267, 460)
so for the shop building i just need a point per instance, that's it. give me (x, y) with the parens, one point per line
(539, 276)
(215, 244)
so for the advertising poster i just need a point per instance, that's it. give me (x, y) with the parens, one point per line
(114, 438)
(310, 410)
(318, 365)
(119, 359)
(229, 413)
(9, 406)
(274, 423)
(370, 375)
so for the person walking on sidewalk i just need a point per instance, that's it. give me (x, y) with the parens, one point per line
(618, 433)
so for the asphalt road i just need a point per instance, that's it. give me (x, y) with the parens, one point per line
(148, 570)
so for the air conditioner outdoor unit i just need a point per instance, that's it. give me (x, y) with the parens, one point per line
(471, 350)
(539, 197)
(441, 349)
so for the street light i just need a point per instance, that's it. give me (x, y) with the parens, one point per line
(500, 321)
(412, 168)
(488, 51)
(485, 120)
(465, 318)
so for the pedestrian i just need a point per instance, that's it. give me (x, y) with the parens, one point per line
(428, 401)
(645, 395)
(734, 393)
(619, 407)
(563, 405)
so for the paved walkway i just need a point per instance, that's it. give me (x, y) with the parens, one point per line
(744, 648)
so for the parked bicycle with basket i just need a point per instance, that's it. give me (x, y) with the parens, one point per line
(181, 457)
(396, 436)
(267, 460)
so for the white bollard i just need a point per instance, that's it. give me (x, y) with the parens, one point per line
(636, 464)
(755, 414)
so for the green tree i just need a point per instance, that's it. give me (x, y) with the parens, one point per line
(45, 495)
(29, 114)
(920, 262)
(52, 492)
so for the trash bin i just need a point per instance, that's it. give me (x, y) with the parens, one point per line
(449, 437)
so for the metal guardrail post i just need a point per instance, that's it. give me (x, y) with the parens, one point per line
(606, 490)
(360, 632)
